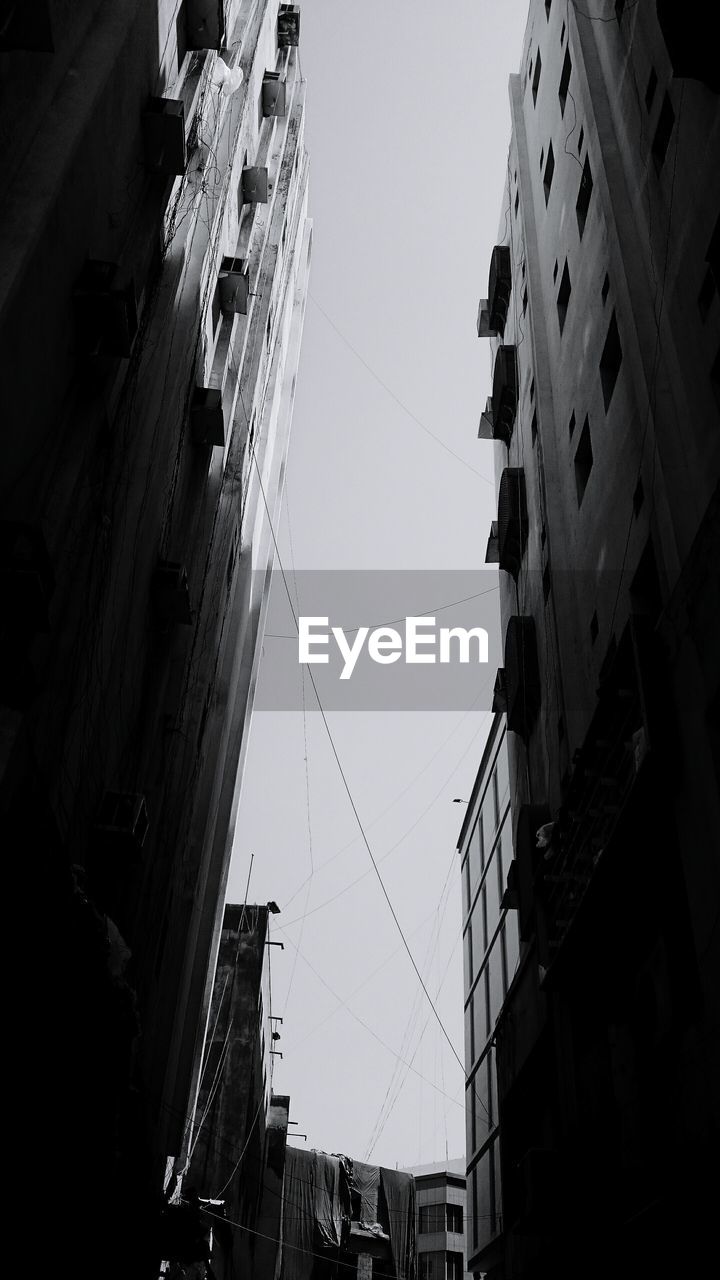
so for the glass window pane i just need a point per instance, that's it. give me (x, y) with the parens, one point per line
(475, 859)
(512, 943)
(484, 1209)
(495, 969)
(493, 896)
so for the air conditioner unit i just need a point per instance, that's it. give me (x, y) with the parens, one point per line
(26, 26)
(255, 185)
(164, 135)
(492, 553)
(273, 94)
(105, 314)
(512, 520)
(205, 23)
(504, 393)
(207, 420)
(170, 594)
(288, 25)
(522, 674)
(26, 577)
(121, 825)
(234, 282)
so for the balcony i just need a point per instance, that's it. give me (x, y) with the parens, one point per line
(504, 394)
(512, 520)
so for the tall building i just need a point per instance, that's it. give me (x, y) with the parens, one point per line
(153, 274)
(441, 1220)
(491, 952)
(603, 314)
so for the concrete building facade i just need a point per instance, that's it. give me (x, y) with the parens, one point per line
(442, 1220)
(603, 315)
(153, 274)
(491, 953)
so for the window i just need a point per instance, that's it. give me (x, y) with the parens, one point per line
(610, 361)
(581, 138)
(454, 1266)
(549, 171)
(619, 10)
(555, 271)
(562, 35)
(548, 6)
(532, 390)
(542, 157)
(432, 1218)
(536, 77)
(455, 1218)
(582, 204)
(431, 1265)
(663, 132)
(563, 297)
(517, 202)
(564, 81)
(605, 288)
(583, 462)
(571, 424)
(525, 300)
(651, 87)
(496, 798)
(534, 427)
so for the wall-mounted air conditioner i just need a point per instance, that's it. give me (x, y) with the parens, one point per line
(205, 23)
(273, 94)
(207, 421)
(288, 25)
(26, 578)
(255, 185)
(105, 312)
(164, 135)
(171, 594)
(234, 283)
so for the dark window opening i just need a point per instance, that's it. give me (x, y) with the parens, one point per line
(610, 361)
(216, 309)
(564, 81)
(542, 157)
(454, 1266)
(594, 628)
(524, 301)
(638, 497)
(548, 6)
(581, 138)
(651, 87)
(582, 203)
(571, 424)
(432, 1218)
(663, 132)
(605, 288)
(530, 71)
(181, 34)
(532, 389)
(517, 202)
(583, 462)
(563, 297)
(546, 583)
(454, 1218)
(534, 427)
(562, 36)
(555, 271)
(619, 9)
(536, 77)
(549, 171)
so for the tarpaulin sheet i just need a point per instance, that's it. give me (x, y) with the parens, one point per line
(312, 1217)
(399, 1191)
(298, 1218)
(365, 1183)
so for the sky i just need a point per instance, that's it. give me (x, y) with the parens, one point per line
(407, 128)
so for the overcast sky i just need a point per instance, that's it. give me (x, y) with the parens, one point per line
(408, 127)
